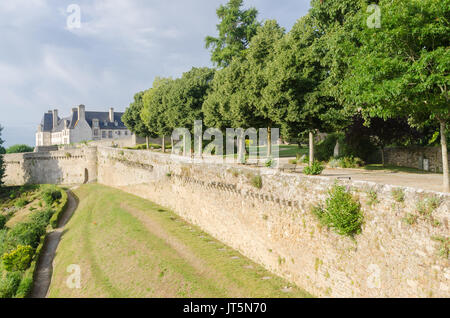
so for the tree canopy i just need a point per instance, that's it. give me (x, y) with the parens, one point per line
(236, 29)
(334, 71)
(19, 149)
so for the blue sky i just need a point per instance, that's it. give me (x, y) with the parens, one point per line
(121, 47)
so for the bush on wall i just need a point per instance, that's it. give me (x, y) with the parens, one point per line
(341, 212)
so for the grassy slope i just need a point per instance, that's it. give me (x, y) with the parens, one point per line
(130, 247)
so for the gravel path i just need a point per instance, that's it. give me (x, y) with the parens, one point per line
(43, 274)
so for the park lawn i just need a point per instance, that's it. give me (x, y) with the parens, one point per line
(129, 247)
(285, 151)
(380, 167)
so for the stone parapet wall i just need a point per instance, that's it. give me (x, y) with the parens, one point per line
(274, 225)
(412, 157)
(68, 166)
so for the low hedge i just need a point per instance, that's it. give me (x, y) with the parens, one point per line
(26, 284)
(59, 210)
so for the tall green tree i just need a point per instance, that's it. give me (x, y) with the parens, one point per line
(402, 68)
(259, 55)
(291, 97)
(154, 112)
(19, 149)
(236, 28)
(2, 166)
(132, 118)
(186, 97)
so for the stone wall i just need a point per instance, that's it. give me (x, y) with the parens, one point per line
(274, 225)
(412, 157)
(68, 166)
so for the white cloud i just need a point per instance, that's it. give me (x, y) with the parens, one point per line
(121, 47)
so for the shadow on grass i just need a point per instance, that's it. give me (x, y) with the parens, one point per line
(395, 169)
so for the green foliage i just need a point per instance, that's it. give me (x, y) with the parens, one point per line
(50, 194)
(20, 203)
(324, 150)
(3, 221)
(56, 216)
(19, 259)
(9, 284)
(42, 218)
(350, 162)
(428, 205)
(315, 169)
(27, 233)
(19, 149)
(411, 219)
(256, 181)
(236, 29)
(444, 248)
(132, 118)
(341, 212)
(372, 197)
(398, 195)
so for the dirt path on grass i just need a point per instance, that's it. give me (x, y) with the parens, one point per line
(44, 267)
(181, 249)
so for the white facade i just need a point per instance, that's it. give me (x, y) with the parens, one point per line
(81, 126)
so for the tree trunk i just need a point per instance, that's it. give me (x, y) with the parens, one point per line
(269, 142)
(383, 162)
(148, 142)
(444, 155)
(163, 144)
(311, 148)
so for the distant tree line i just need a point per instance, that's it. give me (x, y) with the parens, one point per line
(336, 70)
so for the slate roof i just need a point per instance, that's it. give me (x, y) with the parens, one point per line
(103, 117)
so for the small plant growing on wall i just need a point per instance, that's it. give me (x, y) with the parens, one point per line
(372, 197)
(398, 195)
(410, 219)
(68, 155)
(314, 170)
(444, 248)
(256, 181)
(341, 212)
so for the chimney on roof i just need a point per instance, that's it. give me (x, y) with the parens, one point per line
(81, 112)
(55, 118)
(111, 115)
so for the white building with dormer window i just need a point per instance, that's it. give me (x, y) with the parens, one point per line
(80, 126)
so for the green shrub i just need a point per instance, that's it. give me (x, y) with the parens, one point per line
(3, 221)
(315, 169)
(50, 194)
(19, 259)
(351, 162)
(59, 211)
(256, 181)
(342, 212)
(20, 203)
(324, 150)
(42, 218)
(27, 233)
(19, 149)
(26, 285)
(9, 284)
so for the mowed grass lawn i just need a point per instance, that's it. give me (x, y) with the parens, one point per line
(129, 247)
